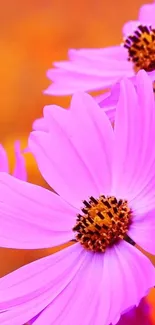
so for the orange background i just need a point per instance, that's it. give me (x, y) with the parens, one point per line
(33, 34)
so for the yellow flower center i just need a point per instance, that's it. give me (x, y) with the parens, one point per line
(141, 48)
(102, 223)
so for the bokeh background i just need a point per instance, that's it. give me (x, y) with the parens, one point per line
(33, 35)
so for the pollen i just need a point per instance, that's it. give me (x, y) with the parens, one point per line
(102, 223)
(141, 48)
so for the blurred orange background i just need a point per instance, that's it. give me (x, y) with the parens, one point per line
(33, 34)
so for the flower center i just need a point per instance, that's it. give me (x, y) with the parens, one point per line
(141, 48)
(102, 223)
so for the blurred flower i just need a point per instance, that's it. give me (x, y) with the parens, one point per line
(105, 205)
(98, 69)
(138, 315)
(19, 169)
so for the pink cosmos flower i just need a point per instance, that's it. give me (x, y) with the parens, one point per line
(105, 179)
(19, 169)
(98, 69)
(137, 316)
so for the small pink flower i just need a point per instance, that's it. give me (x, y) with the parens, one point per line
(98, 69)
(105, 179)
(19, 169)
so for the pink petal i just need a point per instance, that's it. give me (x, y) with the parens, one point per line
(133, 147)
(139, 315)
(113, 52)
(67, 82)
(75, 157)
(83, 291)
(144, 178)
(27, 291)
(67, 284)
(105, 293)
(40, 125)
(4, 167)
(130, 27)
(31, 216)
(147, 14)
(109, 100)
(96, 65)
(129, 288)
(142, 231)
(89, 70)
(152, 75)
(20, 168)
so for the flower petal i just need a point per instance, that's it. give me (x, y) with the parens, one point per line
(147, 14)
(20, 168)
(142, 231)
(62, 287)
(130, 262)
(40, 125)
(25, 292)
(4, 167)
(144, 178)
(98, 65)
(100, 288)
(113, 52)
(139, 315)
(152, 75)
(88, 70)
(133, 147)
(72, 303)
(31, 216)
(69, 82)
(75, 156)
(130, 27)
(146, 17)
(109, 100)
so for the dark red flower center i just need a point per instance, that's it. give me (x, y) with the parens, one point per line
(141, 48)
(102, 223)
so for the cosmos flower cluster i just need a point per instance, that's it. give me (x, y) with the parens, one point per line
(99, 157)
